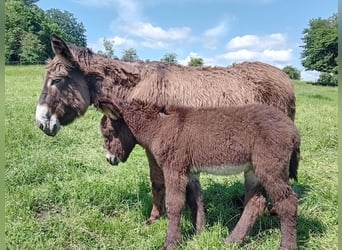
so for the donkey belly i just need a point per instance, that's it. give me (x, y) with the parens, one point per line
(222, 169)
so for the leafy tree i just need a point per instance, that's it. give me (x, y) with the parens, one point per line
(130, 55)
(109, 48)
(320, 47)
(195, 61)
(327, 79)
(20, 20)
(292, 72)
(171, 58)
(32, 50)
(74, 32)
(25, 21)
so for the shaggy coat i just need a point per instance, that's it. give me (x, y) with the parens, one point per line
(76, 78)
(258, 140)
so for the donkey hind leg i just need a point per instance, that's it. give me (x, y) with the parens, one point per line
(285, 205)
(158, 189)
(194, 199)
(255, 204)
(175, 187)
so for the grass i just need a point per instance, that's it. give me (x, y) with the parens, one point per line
(62, 194)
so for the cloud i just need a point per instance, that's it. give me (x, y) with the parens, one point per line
(119, 44)
(267, 55)
(148, 31)
(258, 43)
(212, 35)
(270, 48)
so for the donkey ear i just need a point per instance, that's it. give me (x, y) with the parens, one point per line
(61, 49)
(108, 108)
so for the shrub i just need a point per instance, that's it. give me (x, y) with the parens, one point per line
(292, 72)
(327, 79)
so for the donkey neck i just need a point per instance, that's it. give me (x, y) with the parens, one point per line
(143, 125)
(109, 77)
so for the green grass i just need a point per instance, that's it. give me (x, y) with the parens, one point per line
(62, 194)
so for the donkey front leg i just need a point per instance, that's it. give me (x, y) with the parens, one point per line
(175, 186)
(158, 189)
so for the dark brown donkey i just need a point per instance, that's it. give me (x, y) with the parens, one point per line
(256, 139)
(76, 78)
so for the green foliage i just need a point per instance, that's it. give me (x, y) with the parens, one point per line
(327, 79)
(129, 55)
(320, 47)
(65, 21)
(31, 49)
(195, 62)
(62, 194)
(170, 58)
(292, 72)
(24, 21)
(109, 48)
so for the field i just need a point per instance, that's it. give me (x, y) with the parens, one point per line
(62, 194)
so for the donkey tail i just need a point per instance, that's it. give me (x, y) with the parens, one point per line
(294, 160)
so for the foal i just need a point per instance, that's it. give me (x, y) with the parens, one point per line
(258, 140)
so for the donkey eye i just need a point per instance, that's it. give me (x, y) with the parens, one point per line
(56, 81)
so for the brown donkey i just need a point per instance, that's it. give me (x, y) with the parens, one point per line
(77, 77)
(256, 139)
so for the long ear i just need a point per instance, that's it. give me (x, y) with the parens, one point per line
(109, 108)
(61, 49)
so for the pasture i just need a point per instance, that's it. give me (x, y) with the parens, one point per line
(62, 194)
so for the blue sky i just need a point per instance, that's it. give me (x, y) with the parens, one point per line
(219, 31)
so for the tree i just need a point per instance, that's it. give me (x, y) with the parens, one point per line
(195, 61)
(32, 50)
(170, 58)
(74, 32)
(292, 72)
(28, 30)
(109, 48)
(320, 47)
(22, 19)
(130, 55)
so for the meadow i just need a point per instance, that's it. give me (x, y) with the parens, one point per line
(62, 194)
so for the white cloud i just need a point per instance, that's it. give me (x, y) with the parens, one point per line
(148, 31)
(119, 43)
(267, 55)
(258, 43)
(211, 36)
(270, 48)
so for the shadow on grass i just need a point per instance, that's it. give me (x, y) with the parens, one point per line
(223, 205)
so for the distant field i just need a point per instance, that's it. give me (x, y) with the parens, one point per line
(62, 194)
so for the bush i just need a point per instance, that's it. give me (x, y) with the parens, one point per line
(327, 79)
(292, 72)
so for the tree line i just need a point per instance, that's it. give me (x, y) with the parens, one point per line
(28, 29)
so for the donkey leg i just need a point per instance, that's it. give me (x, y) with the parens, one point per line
(158, 189)
(285, 205)
(194, 199)
(175, 183)
(255, 204)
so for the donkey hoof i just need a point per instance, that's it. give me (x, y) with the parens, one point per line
(151, 219)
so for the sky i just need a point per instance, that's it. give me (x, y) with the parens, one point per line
(221, 32)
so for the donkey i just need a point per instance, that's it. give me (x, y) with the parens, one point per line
(76, 77)
(256, 139)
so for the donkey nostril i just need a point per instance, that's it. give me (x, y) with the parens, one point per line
(41, 126)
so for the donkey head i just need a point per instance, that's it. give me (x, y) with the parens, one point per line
(65, 93)
(118, 140)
